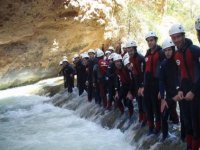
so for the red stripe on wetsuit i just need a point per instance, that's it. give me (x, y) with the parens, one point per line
(152, 60)
(123, 76)
(136, 65)
(188, 59)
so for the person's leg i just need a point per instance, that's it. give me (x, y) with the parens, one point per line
(187, 122)
(102, 89)
(140, 108)
(81, 88)
(156, 108)
(174, 115)
(165, 116)
(97, 95)
(149, 109)
(111, 92)
(183, 130)
(89, 92)
(195, 106)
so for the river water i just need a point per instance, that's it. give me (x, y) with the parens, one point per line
(27, 123)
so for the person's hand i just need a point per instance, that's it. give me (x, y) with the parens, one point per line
(86, 83)
(94, 85)
(163, 105)
(189, 96)
(176, 98)
(129, 96)
(159, 97)
(180, 95)
(142, 91)
(116, 96)
(139, 92)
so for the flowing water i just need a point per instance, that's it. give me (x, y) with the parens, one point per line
(27, 123)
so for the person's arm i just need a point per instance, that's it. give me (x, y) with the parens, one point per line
(162, 80)
(196, 54)
(60, 72)
(94, 75)
(141, 76)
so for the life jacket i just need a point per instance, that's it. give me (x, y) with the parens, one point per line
(103, 66)
(137, 64)
(138, 69)
(152, 62)
(188, 62)
(124, 77)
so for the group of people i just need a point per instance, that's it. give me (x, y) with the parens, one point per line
(164, 77)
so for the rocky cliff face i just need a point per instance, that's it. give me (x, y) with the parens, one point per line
(35, 34)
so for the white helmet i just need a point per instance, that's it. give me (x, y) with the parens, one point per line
(61, 62)
(107, 52)
(125, 56)
(167, 43)
(117, 57)
(151, 34)
(176, 28)
(76, 56)
(109, 57)
(112, 55)
(64, 57)
(85, 55)
(99, 52)
(111, 48)
(91, 51)
(126, 61)
(65, 60)
(131, 43)
(123, 45)
(197, 23)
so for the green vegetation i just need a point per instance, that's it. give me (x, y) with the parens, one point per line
(140, 16)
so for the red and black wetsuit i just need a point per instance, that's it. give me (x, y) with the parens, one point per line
(187, 60)
(99, 78)
(151, 88)
(138, 62)
(124, 84)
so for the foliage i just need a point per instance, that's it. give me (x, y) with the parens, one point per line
(141, 16)
(134, 18)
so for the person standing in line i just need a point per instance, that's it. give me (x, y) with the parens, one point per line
(89, 63)
(124, 91)
(138, 62)
(68, 73)
(111, 77)
(187, 58)
(81, 74)
(153, 59)
(168, 82)
(99, 77)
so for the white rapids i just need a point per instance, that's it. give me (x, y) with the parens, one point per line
(27, 123)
